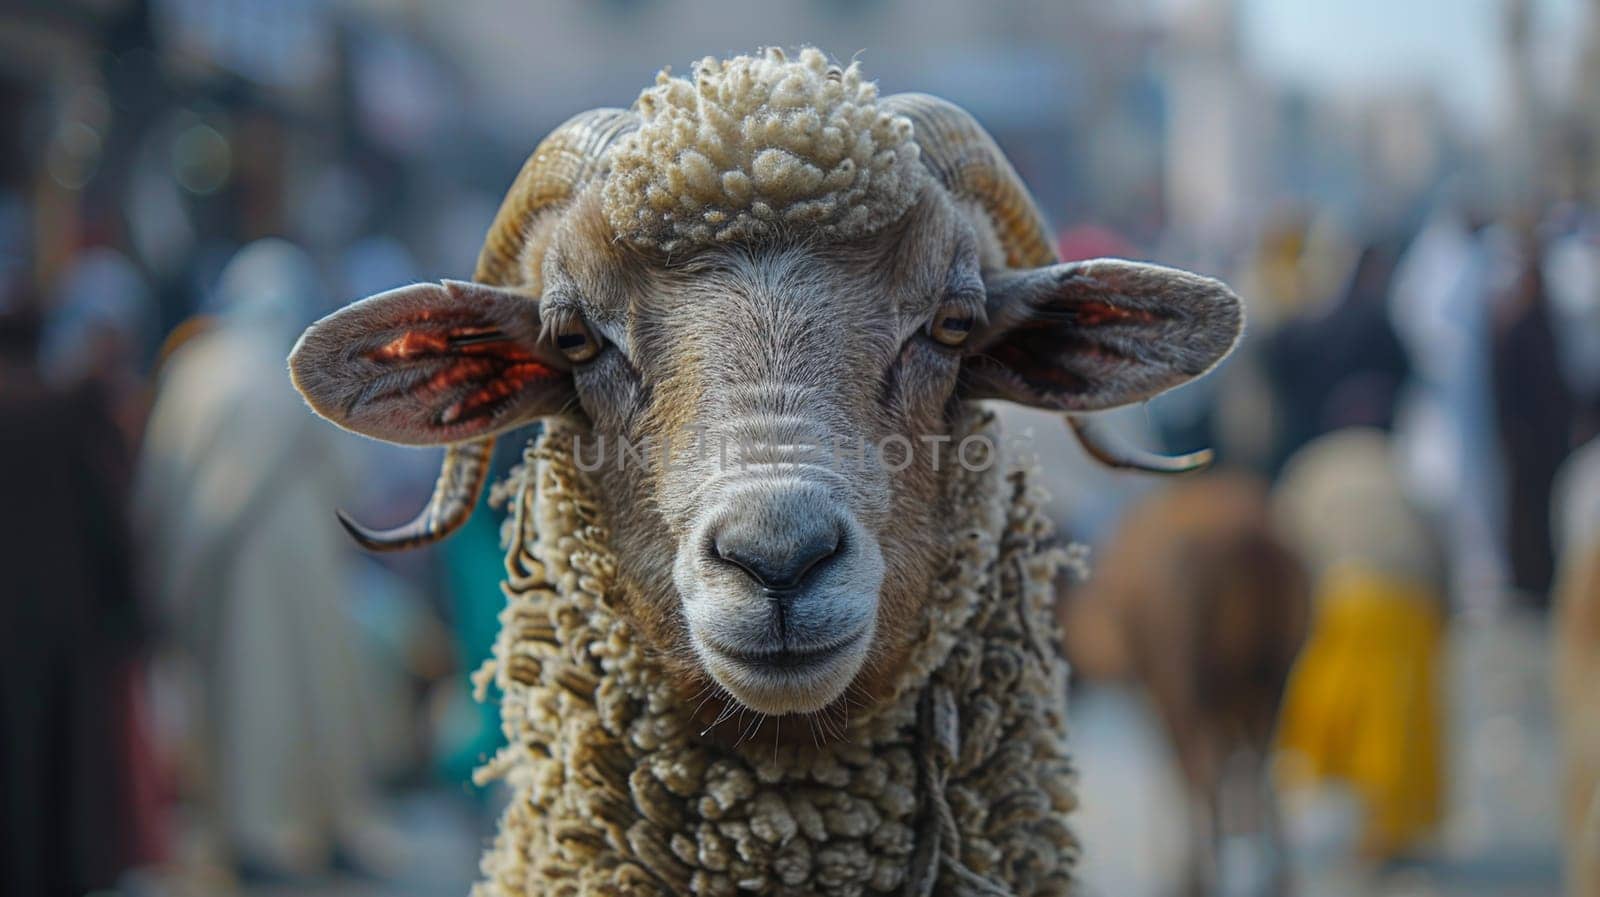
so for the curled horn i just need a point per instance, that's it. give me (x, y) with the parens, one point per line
(1109, 449)
(564, 161)
(966, 160)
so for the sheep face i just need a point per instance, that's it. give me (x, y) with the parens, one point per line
(768, 364)
(770, 421)
(796, 402)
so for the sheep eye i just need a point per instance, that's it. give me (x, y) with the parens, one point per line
(574, 338)
(951, 324)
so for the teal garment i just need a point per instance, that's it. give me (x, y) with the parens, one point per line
(473, 564)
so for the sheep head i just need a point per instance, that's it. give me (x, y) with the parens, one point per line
(765, 296)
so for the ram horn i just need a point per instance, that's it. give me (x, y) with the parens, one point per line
(564, 161)
(965, 159)
(1109, 449)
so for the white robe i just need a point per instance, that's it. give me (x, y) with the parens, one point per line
(237, 486)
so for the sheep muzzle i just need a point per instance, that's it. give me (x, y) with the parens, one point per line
(779, 583)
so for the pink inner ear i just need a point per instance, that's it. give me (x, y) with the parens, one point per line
(412, 344)
(1098, 314)
(496, 388)
(493, 366)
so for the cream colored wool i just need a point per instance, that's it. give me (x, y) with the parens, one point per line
(959, 784)
(755, 145)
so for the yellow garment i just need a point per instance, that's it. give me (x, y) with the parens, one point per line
(1363, 703)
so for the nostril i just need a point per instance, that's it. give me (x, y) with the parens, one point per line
(773, 567)
(804, 564)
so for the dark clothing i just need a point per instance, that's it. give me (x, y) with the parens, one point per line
(1537, 414)
(67, 627)
(1338, 370)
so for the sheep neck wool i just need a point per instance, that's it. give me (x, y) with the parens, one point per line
(958, 783)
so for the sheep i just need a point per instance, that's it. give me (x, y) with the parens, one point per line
(1577, 660)
(1576, 631)
(777, 610)
(1202, 603)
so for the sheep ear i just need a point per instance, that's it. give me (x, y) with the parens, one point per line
(432, 363)
(1084, 336)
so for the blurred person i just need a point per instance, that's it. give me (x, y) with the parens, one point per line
(98, 335)
(1363, 706)
(1576, 626)
(1445, 426)
(234, 485)
(70, 628)
(102, 327)
(1273, 278)
(1199, 600)
(1289, 276)
(1298, 262)
(1535, 411)
(1572, 278)
(1338, 365)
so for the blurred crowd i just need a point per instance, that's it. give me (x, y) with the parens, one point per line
(1399, 440)
(207, 686)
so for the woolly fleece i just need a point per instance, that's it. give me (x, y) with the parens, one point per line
(759, 145)
(959, 784)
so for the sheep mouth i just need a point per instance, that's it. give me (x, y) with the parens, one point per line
(787, 677)
(786, 659)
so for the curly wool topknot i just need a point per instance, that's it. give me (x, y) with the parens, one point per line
(758, 145)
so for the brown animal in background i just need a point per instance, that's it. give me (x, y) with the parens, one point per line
(1577, 662)
(1575, 628)
(1200, 601)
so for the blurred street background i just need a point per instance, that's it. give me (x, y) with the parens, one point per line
(208, 689)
